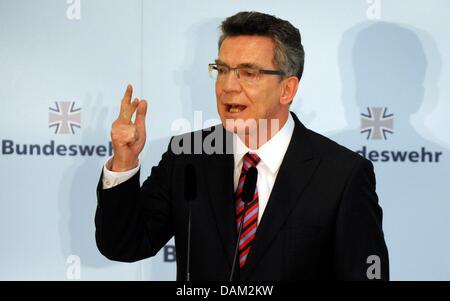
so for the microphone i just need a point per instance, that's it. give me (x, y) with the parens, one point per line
(190, 193)
(248, 191)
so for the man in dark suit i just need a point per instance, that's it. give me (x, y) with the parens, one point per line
(314, 213)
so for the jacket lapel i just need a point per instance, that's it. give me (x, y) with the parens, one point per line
(219, 171)
(296, 170)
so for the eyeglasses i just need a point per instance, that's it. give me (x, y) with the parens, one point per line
(246, 75)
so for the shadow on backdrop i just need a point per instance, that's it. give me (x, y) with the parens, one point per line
(397, 68)
(77, 190)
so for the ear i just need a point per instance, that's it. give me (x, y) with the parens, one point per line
(289, 89)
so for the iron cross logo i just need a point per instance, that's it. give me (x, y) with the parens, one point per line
(64, 117)
(376, 123)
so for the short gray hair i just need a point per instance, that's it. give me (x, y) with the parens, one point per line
(289, 55)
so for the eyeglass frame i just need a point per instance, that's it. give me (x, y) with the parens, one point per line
(235, 69)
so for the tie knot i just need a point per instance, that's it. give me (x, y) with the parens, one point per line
(252, 159)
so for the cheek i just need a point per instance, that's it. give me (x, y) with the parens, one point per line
(218, 95)
(264, 102)
(253, 96)
(218, 91)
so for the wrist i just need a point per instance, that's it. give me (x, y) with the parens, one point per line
(120, 166)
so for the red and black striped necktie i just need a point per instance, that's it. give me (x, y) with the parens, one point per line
(251, 214)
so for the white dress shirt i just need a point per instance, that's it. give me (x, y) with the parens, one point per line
(113, 178)
(271, 153)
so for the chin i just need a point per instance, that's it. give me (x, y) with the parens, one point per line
(240, 125)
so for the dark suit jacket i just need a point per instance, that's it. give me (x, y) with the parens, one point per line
(322, 220)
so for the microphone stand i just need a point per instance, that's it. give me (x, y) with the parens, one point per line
(188, 261)
(241, 224)
(190, 194)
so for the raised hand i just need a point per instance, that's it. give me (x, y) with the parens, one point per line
(128, 137)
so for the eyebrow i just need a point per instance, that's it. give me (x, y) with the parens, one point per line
(242, 65)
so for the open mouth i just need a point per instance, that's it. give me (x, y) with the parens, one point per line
(235, 108)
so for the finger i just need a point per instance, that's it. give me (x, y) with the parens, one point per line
(132, 108)
(140, 115)
(126, 100)
(129, 111)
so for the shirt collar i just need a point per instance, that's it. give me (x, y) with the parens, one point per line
(272, 152)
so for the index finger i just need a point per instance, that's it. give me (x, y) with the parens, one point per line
(126, 100)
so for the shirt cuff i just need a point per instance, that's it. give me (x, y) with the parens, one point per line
(111, 179)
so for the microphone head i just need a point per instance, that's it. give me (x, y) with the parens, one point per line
(190, 182)
(248, 190)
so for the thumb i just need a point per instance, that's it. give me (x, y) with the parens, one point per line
(141, 112)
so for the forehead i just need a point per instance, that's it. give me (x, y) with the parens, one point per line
(257, 50)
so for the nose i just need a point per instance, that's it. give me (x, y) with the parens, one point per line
(231, 83)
